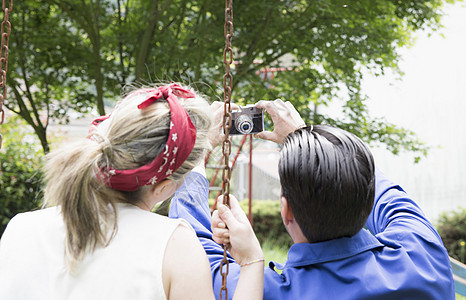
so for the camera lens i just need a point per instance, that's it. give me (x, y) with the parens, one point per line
(244, 124)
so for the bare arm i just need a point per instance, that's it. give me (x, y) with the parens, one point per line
(186, 270)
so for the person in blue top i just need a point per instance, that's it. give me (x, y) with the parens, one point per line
(356, 234)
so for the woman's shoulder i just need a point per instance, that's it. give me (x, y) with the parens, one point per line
(25, 229)
(34, 219)
(131, 215)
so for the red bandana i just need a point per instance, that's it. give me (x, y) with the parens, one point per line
(180, 143)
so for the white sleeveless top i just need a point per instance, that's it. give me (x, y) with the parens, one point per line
(32, 262)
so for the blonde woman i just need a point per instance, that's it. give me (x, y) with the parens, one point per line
(98, 239)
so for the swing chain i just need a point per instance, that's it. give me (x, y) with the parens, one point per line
(226, 146)
(5, 33)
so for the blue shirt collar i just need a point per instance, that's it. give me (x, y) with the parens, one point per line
(305, 254)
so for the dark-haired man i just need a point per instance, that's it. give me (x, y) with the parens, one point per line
(330, 190)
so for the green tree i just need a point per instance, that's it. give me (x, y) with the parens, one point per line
(89, 18)
(20, 175)
(46, 78)
(327, 43)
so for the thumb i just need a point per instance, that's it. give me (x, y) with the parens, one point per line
(227, 217)
(236, 210)
(266, 135)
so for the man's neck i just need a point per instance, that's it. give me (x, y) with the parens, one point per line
(296, 233)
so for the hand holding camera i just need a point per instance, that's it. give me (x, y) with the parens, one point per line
(249, 119)
(285, 117)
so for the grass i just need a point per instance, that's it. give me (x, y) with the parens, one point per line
(274, 253)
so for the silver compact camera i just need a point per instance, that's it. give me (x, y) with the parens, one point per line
(247, 120)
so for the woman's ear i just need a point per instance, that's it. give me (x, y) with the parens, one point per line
(163, 190)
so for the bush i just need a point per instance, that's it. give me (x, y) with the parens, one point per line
(20, 175)
(267, 223)
(452, 229)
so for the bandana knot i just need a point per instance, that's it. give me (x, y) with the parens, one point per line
(165, 92)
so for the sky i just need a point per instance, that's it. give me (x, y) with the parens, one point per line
(430, 99)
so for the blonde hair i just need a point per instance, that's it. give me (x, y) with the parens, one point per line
(129, 139)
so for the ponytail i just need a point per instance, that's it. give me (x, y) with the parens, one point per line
(72, 184)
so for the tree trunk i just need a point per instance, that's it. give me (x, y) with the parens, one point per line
(41, 132)
(24, 112)
(96, 47)
(98, 77)
(147, 35)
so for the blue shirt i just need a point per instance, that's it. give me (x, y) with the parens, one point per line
(400, 256)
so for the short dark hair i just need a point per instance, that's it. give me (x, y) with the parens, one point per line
(327, 177)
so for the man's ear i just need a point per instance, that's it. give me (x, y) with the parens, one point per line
(287, 214)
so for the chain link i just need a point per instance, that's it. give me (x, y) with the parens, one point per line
(226, 146)
(5, 33)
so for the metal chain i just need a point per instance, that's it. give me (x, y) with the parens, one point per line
(226, 146)
(5, 32)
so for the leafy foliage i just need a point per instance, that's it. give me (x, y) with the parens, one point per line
(47, 79)
(20, 175)
(98, 47)
(452, 229)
